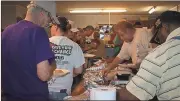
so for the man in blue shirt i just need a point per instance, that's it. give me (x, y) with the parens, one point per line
(27, 56)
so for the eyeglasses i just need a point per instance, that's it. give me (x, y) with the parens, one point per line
(155, 39)
(49, 25)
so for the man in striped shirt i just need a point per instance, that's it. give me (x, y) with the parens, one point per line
(159, 73)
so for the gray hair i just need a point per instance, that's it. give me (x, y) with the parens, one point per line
(33, 12)
(33, 9)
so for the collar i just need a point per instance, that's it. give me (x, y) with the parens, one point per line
(59, 37)
(174, 33)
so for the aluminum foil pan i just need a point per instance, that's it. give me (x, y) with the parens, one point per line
(94, 77)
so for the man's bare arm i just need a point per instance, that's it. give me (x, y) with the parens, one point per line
(77, 71)
(112, 65)
(45, 70)
(115, 63)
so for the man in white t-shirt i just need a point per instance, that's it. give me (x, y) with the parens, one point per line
(68, 56)
(135, 46)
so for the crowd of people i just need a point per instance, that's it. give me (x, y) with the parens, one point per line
(29, 57)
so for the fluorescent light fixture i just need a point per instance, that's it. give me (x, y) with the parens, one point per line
(85, 11)
(98, 11)
(151, 10)
(115, 11)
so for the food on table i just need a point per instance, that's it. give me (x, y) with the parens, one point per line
(119, 68)
(126, 65)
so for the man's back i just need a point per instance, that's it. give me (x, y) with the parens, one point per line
(20, 55)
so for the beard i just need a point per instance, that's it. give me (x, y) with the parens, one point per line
(162, 37)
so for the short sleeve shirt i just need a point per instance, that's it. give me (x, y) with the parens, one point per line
(125, 52)
(159, 73)
(68, 55)
(24, 45)
(139, 43)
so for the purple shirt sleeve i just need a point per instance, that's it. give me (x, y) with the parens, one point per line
(43, 50)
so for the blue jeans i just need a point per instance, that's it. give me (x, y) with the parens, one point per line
(57, 96)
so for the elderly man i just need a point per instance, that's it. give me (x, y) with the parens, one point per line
(159, 74)
(135, 41)
(27, 56)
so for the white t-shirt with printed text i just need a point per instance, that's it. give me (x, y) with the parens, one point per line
(68, 55)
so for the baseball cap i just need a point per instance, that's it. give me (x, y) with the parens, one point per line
(172, 17)
(49, 6)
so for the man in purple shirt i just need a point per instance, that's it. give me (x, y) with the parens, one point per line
(27, 56)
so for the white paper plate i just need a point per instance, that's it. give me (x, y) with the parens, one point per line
(67, 97)
(89, 55)
(64, 72)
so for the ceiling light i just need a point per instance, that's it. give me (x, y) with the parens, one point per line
(114, 11)
(98, 11)
(151, 10)
(85, 11)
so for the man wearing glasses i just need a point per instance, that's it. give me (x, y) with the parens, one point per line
(27, 56)
(156, 31)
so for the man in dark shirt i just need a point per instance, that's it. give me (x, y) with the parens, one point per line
(27, 56)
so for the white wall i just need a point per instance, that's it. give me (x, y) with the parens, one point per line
(82, 20)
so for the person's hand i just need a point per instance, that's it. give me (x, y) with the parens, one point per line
(110, 76)
(105, 71)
